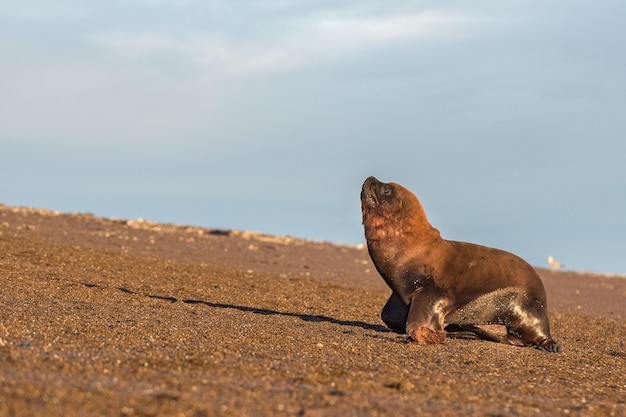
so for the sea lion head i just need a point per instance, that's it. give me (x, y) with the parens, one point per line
(381, 200)
(389, 210)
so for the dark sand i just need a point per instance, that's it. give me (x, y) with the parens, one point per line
(131, 318)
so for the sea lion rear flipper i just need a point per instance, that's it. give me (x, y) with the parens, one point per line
(530, 327)
(465, 331)
(550, 346)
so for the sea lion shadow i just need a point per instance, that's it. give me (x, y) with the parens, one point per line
(453, 331)
(301, 316)
(255, 310)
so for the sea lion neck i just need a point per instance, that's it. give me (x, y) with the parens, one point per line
(388, 230)
(393, 215)
(410, 219)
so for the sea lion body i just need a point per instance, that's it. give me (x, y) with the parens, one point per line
(437, 281)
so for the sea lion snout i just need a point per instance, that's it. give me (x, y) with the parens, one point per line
(374, 191)
(368, 192)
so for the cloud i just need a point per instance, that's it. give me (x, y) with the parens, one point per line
(427, 24)
(38, 11)
(201, 49)
(297, 43)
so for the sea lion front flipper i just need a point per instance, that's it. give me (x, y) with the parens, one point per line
(395, 313)
(426, 316)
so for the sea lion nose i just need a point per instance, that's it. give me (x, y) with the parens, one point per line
(369, 183)
(368, 192)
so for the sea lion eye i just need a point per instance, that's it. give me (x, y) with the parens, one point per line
(386, 191)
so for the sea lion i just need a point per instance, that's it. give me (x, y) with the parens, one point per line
(437, 281)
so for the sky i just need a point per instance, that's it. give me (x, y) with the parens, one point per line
(507, 119)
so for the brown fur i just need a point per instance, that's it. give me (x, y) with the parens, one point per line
(437, 279)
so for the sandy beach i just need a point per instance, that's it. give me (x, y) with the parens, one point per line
(111, 317)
